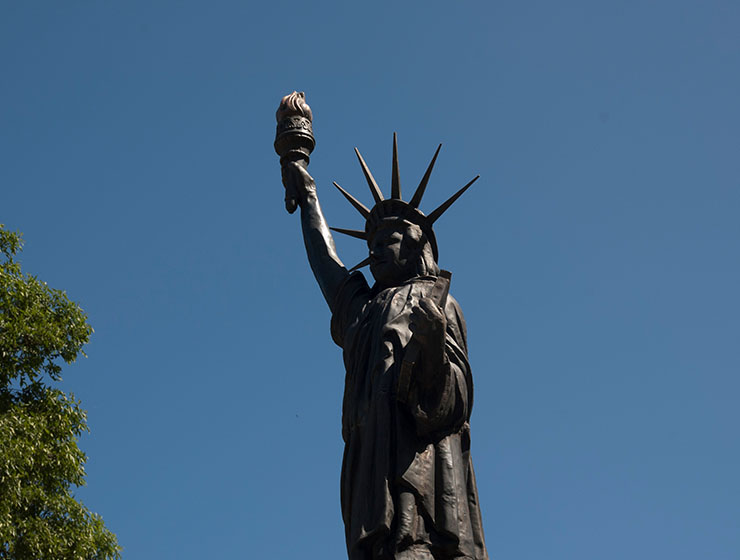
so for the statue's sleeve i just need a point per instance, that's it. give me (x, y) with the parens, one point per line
(445, 401)
(351, 297)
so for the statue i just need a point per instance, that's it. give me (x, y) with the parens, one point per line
(408, 491)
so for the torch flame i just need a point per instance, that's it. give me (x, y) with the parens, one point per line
(294, 104)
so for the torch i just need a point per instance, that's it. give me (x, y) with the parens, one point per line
(294, 139)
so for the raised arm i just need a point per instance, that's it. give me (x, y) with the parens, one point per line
(322, 254)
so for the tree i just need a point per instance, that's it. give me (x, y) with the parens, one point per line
(40, 461)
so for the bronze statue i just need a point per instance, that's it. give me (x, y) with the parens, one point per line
(407, 490)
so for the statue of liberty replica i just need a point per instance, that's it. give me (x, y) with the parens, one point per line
(408, 490)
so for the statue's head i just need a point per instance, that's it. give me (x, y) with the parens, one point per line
(400, 237)
(399, 251)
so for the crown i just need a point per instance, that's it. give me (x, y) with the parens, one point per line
(394, 209)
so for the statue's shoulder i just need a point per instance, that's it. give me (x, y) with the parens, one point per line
(351, 298)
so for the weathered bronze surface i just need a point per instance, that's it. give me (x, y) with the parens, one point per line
(408, 490)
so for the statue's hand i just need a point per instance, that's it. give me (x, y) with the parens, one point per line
(298, 185)
(428, 323)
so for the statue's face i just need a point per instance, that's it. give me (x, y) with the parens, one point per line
(392, 259)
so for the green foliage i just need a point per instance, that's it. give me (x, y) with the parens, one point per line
(38, 325)
(40, 461)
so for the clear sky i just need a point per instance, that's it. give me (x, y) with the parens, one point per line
(596, 259)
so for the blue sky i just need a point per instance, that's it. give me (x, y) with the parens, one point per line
(596, 260)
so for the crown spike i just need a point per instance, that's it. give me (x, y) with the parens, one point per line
(360, 264)
(377, 195)
(416, 199)
(351, 232)
(361, 208)
(396, 176)
(434, 216)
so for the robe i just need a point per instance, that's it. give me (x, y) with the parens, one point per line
(407, 475)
